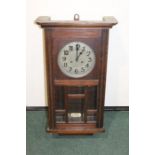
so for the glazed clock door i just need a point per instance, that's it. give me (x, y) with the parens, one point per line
(76, 60)
(76, 74)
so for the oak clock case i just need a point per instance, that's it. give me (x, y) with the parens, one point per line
(76, 62)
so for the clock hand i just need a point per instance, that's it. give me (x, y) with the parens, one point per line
(80, 54)
(76, 55)
(77, 49)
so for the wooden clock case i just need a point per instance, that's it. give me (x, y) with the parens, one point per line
(76, 105)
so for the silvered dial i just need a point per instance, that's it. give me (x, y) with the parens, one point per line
(76, 59)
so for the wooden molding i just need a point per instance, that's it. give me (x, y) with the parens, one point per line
(45, 21)
(106, 108)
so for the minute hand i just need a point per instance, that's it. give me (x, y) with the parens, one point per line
(77, 49)
(76, 55)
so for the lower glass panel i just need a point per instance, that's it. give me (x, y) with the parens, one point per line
(60, 118)
(75, 117)
(73, 102)
(91, 118)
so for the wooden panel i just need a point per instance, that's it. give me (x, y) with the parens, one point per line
(60, 110)
(76, 33)
(75, 125)
(77, 83)
(76, 96)
(91, 111)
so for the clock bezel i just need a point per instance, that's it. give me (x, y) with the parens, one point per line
(68, 74)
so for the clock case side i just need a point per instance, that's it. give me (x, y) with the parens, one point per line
(49, 78)
(102, 79)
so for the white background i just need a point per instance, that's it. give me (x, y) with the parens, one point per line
(117, 73)
(13, 78)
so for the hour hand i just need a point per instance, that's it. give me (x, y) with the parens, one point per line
(80, 54)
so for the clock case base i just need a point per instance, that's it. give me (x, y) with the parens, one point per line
(76, 131)
(75, 128)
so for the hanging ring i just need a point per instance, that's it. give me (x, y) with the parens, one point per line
(76, 17)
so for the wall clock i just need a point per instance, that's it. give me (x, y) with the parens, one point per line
(76, 62)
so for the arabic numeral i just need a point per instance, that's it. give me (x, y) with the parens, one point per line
(64, 58)
(84, 48)
(87, 65)
(66, 52)
(82, 69)
(88, 53)
(89, 59)
(76, 71)
(65, 64)
(77, 47)
(71, 48)
(70, 69)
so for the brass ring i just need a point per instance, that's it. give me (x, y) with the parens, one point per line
(76, 17)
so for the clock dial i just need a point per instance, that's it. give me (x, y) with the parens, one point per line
(76, 59)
